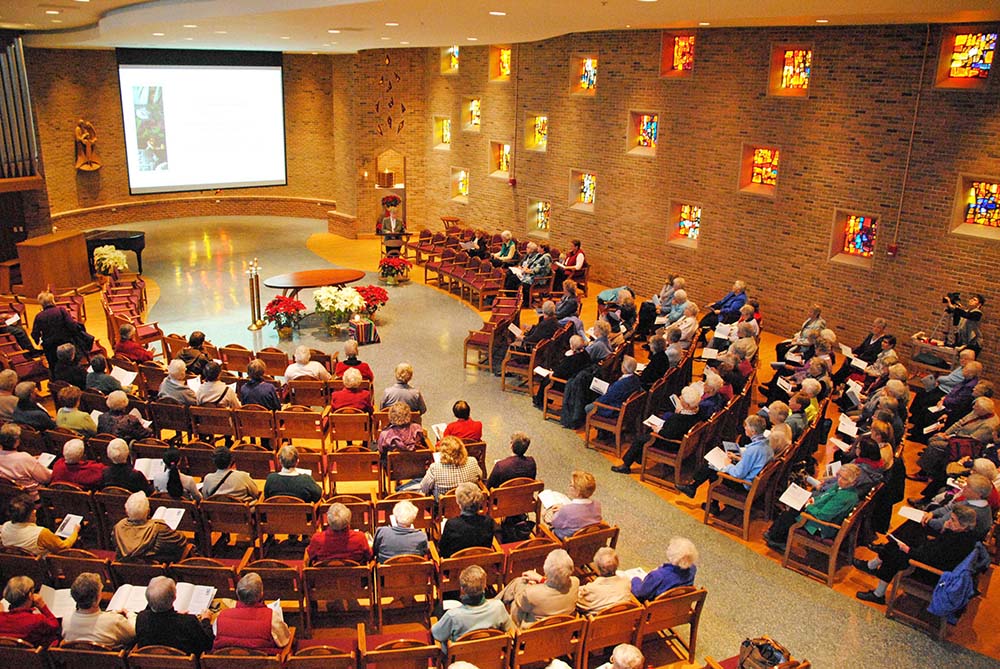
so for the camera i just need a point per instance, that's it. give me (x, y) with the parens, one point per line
(952, 297)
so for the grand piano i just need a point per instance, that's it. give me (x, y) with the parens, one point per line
(123, 240)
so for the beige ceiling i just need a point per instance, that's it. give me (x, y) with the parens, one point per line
(305, 25)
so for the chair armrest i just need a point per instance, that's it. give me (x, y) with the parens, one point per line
(601, 405)
(548, 534)
(806, 516)
(726, 477)
(656, 436)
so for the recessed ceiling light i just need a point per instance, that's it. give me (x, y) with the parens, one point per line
(384, 39)
(190, 25)
(822, 20)
(498, 13)
(628, 25)
(188, 39)
(315, 53)
(391, 24)
(472, 39)
(704, 23)
(52, 12)
(83, 0)
(56, 20)
(157, 34)
(285, 37)
(404, 42)
(647, 0)
(221, 32)
(333, 31)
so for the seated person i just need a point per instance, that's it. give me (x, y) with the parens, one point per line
(227, 480)
(471, 527)
(476, 612)
(571, 263)
(712, 400)
(481, 239)
(23, 531)
(569, 303)
(507, 255)
(119, 421)
(979, 425)
(975, 495)
(608, 588)
(28, 410)
(600, 347)
(160, 625)
(797, 420)
(943, 552)
(941, 385)
(352, 395)
(172, 481)
(401, 391)
(679, 570)
(688, 325)
(98, 379)
(830, 503)
(745, 346)
(194, 355)
(175, 386)
(114, 629)
(677, 308)
(535, 268)
(514, 466)
(576, 360)
(940, 494)
(619, 391)
(68, 367)
(139, 539)
(8, 381)
(746, 466)
(213, 392)
(621, 313)
(726, 310)
(120, 472)
(455, 466)
(351, 351)
(565, 519)
(547, 326)
(533, 597)
(338, 541)
(304, 368)
(625, 656)
(659, 361)
(400, 537)
(127, 347)
(463, 427)
(814, 321)
(676, 424)
(776, 413)
(21, 469)
(865, 453)
(74, 468)
(402, 433)
(68, 414)
(659, 305)
(252, 624)
(258, 390)
(27, 617)
(290, 481)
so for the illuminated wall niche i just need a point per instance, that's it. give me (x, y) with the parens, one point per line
(977, 206)
(643, 132)
(582, 190)
(759, 170)
(966, 59)
(442, 133)
(791, 70)
(684, 224)
(676, 55)
(500, 67)
(500, 157)
(460, 185)
(536, 131)
(538, 217)
(472, 114)
(449, 60)
(852, 240)
(583, 74)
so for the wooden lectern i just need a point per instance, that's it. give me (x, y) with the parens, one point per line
(56, 260)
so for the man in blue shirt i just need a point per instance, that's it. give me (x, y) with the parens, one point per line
(619, 391)
(746, 467)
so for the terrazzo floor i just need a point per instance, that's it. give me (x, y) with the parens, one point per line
(199, 263)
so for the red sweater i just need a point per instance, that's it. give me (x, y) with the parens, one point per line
(89, 475)
(465, 429)
(133, 350)
(39, 629)
(245, 626)
(355, 399)
(366, 371)
(342, 545)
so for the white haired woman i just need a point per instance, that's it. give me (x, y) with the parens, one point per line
(532, 597)
(675, 425)
(679, 570)
(119, 422)
(400, 537)
(304, 368)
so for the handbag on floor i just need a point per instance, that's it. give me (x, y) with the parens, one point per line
(761, 653)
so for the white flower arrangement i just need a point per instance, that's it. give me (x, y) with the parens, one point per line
(338, 303)
(108, 259)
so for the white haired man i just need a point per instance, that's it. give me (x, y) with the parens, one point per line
(160, 625)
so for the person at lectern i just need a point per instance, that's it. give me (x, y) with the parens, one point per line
(392, 232)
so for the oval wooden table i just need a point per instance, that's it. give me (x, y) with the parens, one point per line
(290, 284)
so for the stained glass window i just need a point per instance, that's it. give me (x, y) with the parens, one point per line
(689, 221)
(503, 159)
(542, 216)
(446, 131)
(683, 52)
(765, 167)
(796, 67)
(541, 130)
(588, 188)
(453, 57)
(648, 125)
(474, 112)
(463, 184)
(588, 74)
(859, 235)
(982, 205)
(503, 62)
(972, 55)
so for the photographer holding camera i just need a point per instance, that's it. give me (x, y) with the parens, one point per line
(966, 319)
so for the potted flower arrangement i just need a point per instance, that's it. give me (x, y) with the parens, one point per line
(374, 297)
(391, 267)
(388, 202)
(337, 305)
(285, 313)
(108, 260)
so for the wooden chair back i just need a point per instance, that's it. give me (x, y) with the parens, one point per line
(582, 544)
(398, 654)
(555, 636)
(85, 655)
(515, 497)
(197, 455)
(353, 463)
(253, 459)
(21, 654)
(18, 562)
(67, 564)
(485, 649)
(528, 554)
(338, 580)
(223, 513)
(409, 578)
(209, 420)
(168, 414)
(322, 657)
(60, 499)
(308, 392)
(362, 509)
(299, 422)
(160, 657)
(136, 573)
(491, 560)
(278, 577)
(206, 571)
(235, 358)
(405, 465)
(350, 425)
(240, 658)
(275, 359)
(255, 422)
(676, 607)
(614, 625)
(426, 519)
(283, 514)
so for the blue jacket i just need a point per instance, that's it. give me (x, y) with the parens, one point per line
(660, 580)
(618, 392)
(729, 306)
(956, 587)
(757, 454)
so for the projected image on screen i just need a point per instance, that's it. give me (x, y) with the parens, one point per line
(149, 127)
(221, 126)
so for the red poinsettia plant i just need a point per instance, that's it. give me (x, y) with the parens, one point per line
(284, 312)
(394, 265)
(374, 296)
(391, 201)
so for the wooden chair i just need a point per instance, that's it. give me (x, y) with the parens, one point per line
(85, 655)
(398, 654)
(190, 522)
(279, 577)
(522, 364)
(515, 497)
(56, 438)
(350, 425)
(409, 580)
(741, 499)
(528, 554)
(110, 503)
(17, 562)
(243, 658)
(32, 441)
(150, 378)
(339, 580)
(60, 499)
(207, 571)
(622, 424)
(168, 414)
(160, 657)
(449, 569)
(322, 657)
(555, 636)
(235, 358)
(426, 519)
(254, 459)
(283, 514)
(404, 466)
(655, 454)
(485, 649)
(67, 564)
(214, 421)
(225, 514)
(673, 608)
(362, 508)
(614, 625)
(255, 422)
(275, 359)
(197, 456)
(483, 342)
(21, 654)
(352, 464)
(299, 422)
(910, 594)
(308, 392)
(136, 573)
(582, 544)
